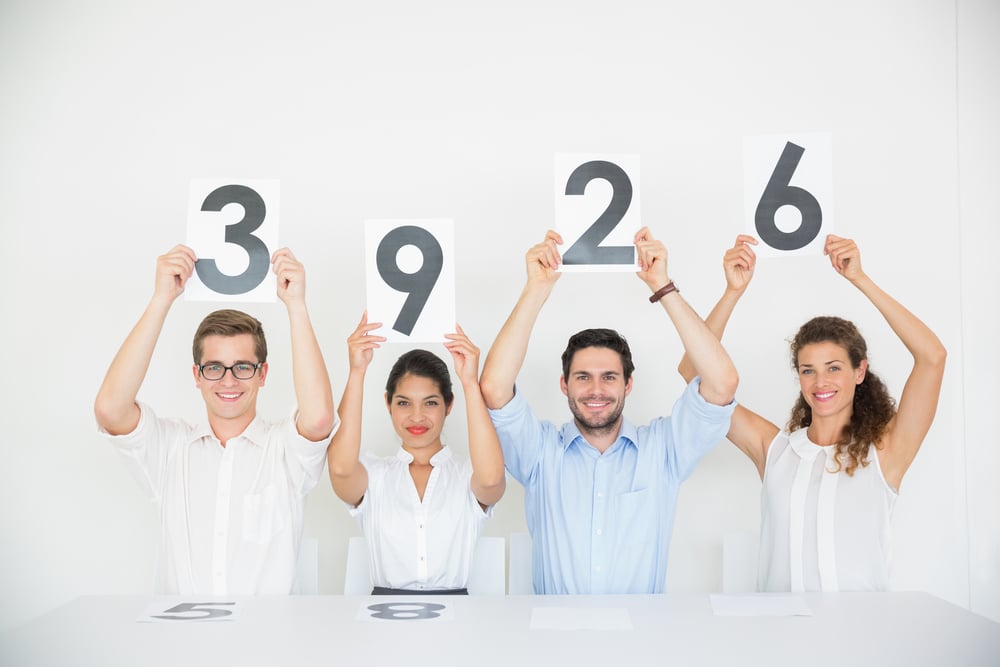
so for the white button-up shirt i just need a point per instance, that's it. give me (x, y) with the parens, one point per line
(420, 545)
(231, 517)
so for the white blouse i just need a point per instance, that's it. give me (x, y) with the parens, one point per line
(822, 531)
(420, 545)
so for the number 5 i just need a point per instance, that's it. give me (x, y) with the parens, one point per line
(202, 611)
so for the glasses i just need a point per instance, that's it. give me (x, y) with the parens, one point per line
(241, 370)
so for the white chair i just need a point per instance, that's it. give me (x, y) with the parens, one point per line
(357, 576)
(739, 562)
(487, 576)
(520, 565)
(307, 568)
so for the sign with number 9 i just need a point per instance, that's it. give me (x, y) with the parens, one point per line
(410, 278)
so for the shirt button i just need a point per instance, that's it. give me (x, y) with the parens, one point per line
(599, 531)
(600, 494)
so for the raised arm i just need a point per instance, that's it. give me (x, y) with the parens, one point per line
(507, 353)
(750, 432)
(313, 394)
(918, 402)
(115, 407)
(348, 477)
(488, 480)
(718, 375)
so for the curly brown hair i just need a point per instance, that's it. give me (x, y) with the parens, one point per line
(873, 407)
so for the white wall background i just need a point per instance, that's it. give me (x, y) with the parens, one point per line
(455, 109)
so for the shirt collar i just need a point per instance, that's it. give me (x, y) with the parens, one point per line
(803, 446)
(442, 456)
(627, 433)
(255, 432)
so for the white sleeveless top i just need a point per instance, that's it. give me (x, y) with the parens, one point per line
(822, 531)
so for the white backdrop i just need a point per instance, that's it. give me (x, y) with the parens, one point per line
(454, 110)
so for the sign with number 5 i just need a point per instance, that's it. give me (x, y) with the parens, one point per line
(410, 278)
(788, 193)
(233, 229)
(174, 611)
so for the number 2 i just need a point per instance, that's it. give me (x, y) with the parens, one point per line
(241, 234)
(587, 249)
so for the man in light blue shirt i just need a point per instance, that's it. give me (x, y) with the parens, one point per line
(599, 491)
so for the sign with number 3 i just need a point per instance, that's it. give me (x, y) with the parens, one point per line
(233, 229)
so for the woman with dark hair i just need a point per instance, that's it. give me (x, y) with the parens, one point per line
(831, 477)
(420, 510)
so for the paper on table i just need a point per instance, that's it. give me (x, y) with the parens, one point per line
(759, 605)
(567, 618)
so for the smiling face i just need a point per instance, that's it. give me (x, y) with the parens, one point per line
(418, 411)
(827, 379)
(230, 402)
(596, 389)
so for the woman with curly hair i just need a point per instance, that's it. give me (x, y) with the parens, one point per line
(831, 477)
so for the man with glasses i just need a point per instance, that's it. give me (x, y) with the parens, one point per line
(231, 492)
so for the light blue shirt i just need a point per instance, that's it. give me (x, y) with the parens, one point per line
(602, 523)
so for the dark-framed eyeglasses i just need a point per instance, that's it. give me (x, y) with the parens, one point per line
(241, 370)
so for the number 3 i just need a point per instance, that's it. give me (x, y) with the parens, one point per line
(241, 234)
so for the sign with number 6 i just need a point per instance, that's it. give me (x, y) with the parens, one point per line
(233, 229)
(788, 193)
(410, 278)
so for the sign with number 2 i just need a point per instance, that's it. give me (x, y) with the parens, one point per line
(597, 211)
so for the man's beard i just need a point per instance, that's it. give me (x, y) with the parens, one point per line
(596, 427)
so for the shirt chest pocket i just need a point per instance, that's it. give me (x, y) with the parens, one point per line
(265, 514)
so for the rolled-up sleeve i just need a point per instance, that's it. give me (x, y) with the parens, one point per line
(696, 426)
(522, 437)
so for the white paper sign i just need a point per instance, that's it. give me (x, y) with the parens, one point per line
(410, 278)
(597, 211)
(178, 611)
(403, 610)
(759, 604)
(233, 229)
(788, 193)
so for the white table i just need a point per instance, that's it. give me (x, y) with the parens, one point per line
(846, 629)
